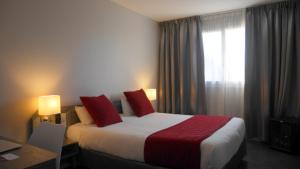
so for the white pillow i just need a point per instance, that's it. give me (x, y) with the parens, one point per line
(83, 115)
(127, 110)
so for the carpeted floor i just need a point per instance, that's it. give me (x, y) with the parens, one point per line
(260, 156)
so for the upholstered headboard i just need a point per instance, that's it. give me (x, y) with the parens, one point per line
(71, 116)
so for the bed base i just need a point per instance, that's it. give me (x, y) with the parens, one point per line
(98, 160)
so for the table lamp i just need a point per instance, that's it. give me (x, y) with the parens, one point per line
(151, 94)
(49, 106)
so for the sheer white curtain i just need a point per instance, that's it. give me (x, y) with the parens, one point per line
(224, 55)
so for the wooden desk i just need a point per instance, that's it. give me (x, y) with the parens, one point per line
(30, 157)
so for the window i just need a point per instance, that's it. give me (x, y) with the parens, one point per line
(224, 58)
(224, 52)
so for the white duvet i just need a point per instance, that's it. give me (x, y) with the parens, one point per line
(127, 139)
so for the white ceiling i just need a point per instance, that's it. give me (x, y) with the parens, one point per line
(162, 10)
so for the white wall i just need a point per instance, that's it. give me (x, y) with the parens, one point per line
(71, 48)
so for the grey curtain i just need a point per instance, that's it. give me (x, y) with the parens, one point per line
(181, 87)
(272, 65)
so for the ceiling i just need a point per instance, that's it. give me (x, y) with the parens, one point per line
(162, 10)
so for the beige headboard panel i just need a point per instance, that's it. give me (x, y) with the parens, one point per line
(71, 116)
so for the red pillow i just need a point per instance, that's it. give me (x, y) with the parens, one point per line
(139, 102)
(101, 110)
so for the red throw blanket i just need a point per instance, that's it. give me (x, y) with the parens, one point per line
(178, 146)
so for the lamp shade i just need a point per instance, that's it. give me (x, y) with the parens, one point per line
(151, 94)
(49, 105)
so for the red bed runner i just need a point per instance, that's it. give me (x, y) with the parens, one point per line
(178, 146)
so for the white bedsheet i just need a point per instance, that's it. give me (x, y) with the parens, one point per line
(127, 139)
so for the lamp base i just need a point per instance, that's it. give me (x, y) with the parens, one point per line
(55, 119)
(44, 118)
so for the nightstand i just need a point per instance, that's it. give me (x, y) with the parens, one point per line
(69, 154)
(285, 134)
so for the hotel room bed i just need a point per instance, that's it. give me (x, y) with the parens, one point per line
(121, 145)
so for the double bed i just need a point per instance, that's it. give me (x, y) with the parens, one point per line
(121, 145)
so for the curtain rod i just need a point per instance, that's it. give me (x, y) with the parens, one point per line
(241, 9)
(223, 12)
(227, 11)
(204, 15)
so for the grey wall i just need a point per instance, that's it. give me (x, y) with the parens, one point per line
(70, 48)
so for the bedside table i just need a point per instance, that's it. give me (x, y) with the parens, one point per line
(285, 134)
(69, 154)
